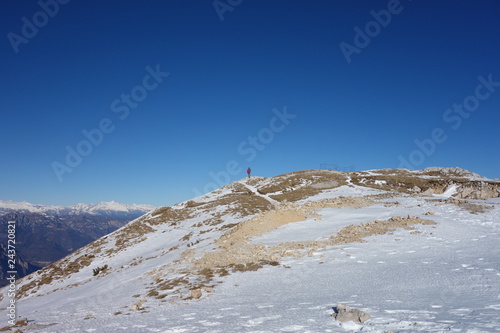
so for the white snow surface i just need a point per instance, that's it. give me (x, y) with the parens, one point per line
(446, 278)
(450, 190)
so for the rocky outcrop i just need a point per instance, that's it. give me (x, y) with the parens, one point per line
(196, 293)
(478, 190)
(454, 171)
(344, 313)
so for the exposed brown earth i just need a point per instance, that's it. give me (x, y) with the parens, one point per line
(402, 182)
(303, 184)
(479, 190)
(471, 207)
(434, 181)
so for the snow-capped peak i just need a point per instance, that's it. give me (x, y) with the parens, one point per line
(110, 208)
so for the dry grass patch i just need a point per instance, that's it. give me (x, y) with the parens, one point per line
(448, 173)
(356, 233)
(473, 208)
(401, 182)
(170, 215)
(437, 181)
(193, 204)
(302, 184)
(342, 202)
(56, 271)
(252, 266)
(19, 323)
(61, 269)
(186, 237)
(130, 234)
(240, 203)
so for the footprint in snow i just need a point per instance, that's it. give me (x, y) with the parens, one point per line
(393, 301)
(260, 320)
(189, 314)
(292, 328)
(209, 323)
(461, 312)
(319, 307)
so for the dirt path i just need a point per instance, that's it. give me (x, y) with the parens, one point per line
(254, 190)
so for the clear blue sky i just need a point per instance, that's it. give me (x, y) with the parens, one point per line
(158, 138)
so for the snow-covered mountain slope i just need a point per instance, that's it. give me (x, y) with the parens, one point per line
(109, 209)
(277, 254)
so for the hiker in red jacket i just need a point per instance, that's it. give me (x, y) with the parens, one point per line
(249, 171)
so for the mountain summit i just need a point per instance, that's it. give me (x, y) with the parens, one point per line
(417, 250)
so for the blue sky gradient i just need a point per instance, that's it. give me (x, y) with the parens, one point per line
(268, 86)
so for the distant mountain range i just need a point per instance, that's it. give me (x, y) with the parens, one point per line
(45, 234)
(105, 209)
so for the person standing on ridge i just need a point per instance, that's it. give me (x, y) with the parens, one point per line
(249, 171)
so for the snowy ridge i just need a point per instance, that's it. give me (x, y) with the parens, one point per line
(276, 254)
(111, 208)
